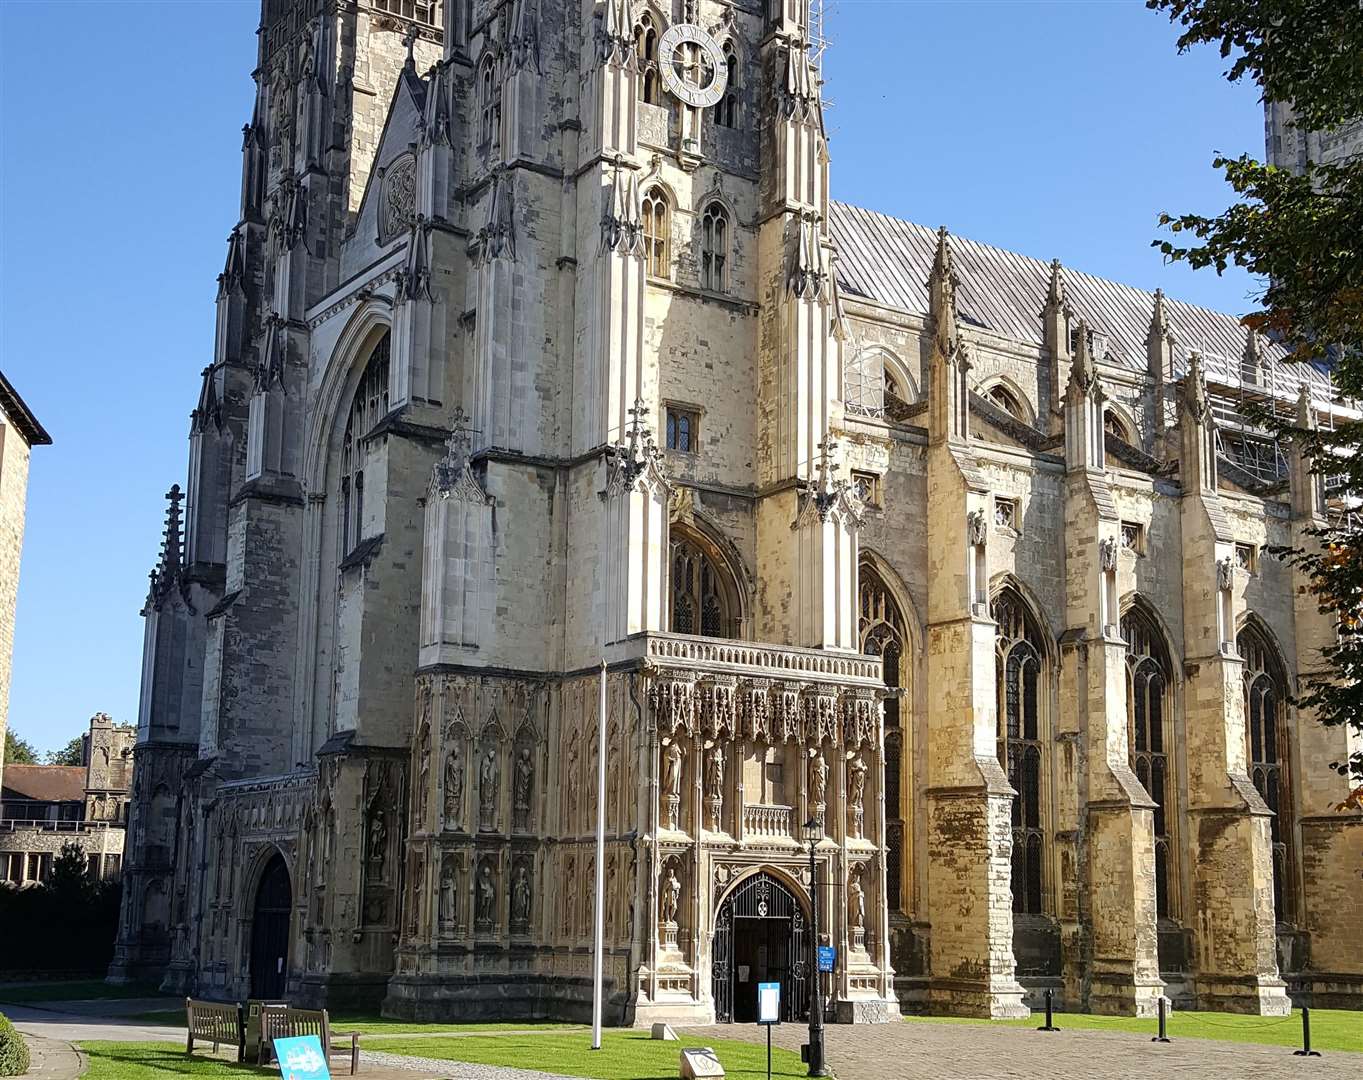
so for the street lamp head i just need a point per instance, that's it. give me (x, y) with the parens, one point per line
(812, 830)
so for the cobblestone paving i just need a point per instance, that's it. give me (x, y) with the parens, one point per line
(924, 1051)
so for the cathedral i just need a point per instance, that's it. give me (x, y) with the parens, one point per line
(927, 589)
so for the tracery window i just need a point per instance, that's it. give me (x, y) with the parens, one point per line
(1019, 660)
(657, 259)
(646, 50)
(726, 112)
(1006, 400)
(1150, 736)
(1265, 721)
(714, 248)
(882, 633)
(703, 598)
(367, 408)
(491, 102)
(1115, 426)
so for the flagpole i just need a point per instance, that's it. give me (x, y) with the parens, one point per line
(599, 933)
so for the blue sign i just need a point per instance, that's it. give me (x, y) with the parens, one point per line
(769, 1003)
(301, 1058)
(827, 955)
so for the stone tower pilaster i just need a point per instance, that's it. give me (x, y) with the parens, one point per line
(969, 799)
(1123, 976)
(1236, 948)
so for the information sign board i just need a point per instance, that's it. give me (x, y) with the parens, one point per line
(301, 1058)
(827, 955)
(769, 1003)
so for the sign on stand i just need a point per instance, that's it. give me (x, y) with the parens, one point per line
(768, 1012)
(301, 1058)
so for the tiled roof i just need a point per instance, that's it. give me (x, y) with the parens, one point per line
(21, 416)
(888, 261)
(45, 783)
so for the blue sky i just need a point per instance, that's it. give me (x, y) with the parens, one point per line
(1059, 130)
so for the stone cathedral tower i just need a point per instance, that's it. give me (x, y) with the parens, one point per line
(542, 347)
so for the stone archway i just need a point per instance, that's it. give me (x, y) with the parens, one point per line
(760, 936)
(270, 930)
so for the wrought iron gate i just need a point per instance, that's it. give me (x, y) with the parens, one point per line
(760, 898)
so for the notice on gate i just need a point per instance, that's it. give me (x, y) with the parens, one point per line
(827, 956)
(769, 1003)
(301, 1058)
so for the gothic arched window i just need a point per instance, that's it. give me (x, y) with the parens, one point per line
(1115, 426)
(1006, 400)
(657, 259)
(714, 248)
(1266, 730)
(704, 598)
(646, 50)
(726, 112)
(1150, 737)
(367, 408)
(881, 632)
(491, 104)
(1019, 668)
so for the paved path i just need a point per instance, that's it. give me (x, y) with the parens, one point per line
(79, 1021)
(52, 1059)
(925, 1051)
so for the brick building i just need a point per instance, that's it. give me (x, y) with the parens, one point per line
(541, 343)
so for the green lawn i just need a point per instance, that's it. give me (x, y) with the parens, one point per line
(20, 993)
(155, 1061)
(367, 1024)
(624, 1055)
(1331, 1029)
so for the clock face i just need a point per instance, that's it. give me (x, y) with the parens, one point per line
(693, 66)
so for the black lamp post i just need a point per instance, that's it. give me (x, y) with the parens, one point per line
(813, 831)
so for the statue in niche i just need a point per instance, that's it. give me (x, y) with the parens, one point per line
(525, 779)
(487, 814)
(818, 779)
(572, 784)
(424, 783)
(856, 901)
(520, 897)
(378, 843)
(671, 896)
(570, 896)
(454, 785)
(487, 896)
(672, 770)
(856, 782)
(447, 897)
(977, 530)
(714, 772)
(1225, 574)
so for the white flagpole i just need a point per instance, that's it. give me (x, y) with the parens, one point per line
(598, 940)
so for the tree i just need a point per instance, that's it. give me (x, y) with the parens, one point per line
(17, 751)
(70, 880)
(73, 753)
(1302, 236)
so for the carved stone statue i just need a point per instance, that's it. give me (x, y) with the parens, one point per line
(447, 897)
(672, 770)
(572, 783)
(1107, 554)
(487, 896)
(487, 790)
(714, 772)
(570, 895)
(671, 896)
(977, 529)
(856, 781)
(1225, 573)
(818, 779)
(525, 779)
(378, 843)
(454, 785)
(856, 902)
(520, 897)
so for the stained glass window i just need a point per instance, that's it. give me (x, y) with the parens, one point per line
(1020, 749)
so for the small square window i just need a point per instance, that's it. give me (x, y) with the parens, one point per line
(1133, 537)
(867, 487)
(683, 430)
(1006, 512)
(1247, 558)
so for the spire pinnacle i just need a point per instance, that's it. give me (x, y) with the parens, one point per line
(942, 283)
(1083, 371)
(1055, 290)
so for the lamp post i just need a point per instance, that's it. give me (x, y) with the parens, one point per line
(813, 831)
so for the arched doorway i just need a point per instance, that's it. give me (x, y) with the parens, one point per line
(270, 931)
(759, 937)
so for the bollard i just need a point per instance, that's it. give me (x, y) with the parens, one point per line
(1048, 1025)
(1161, 1037)
(1306, 1050)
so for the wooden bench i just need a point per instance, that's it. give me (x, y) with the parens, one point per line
(289, 1023)
(215, 1022)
